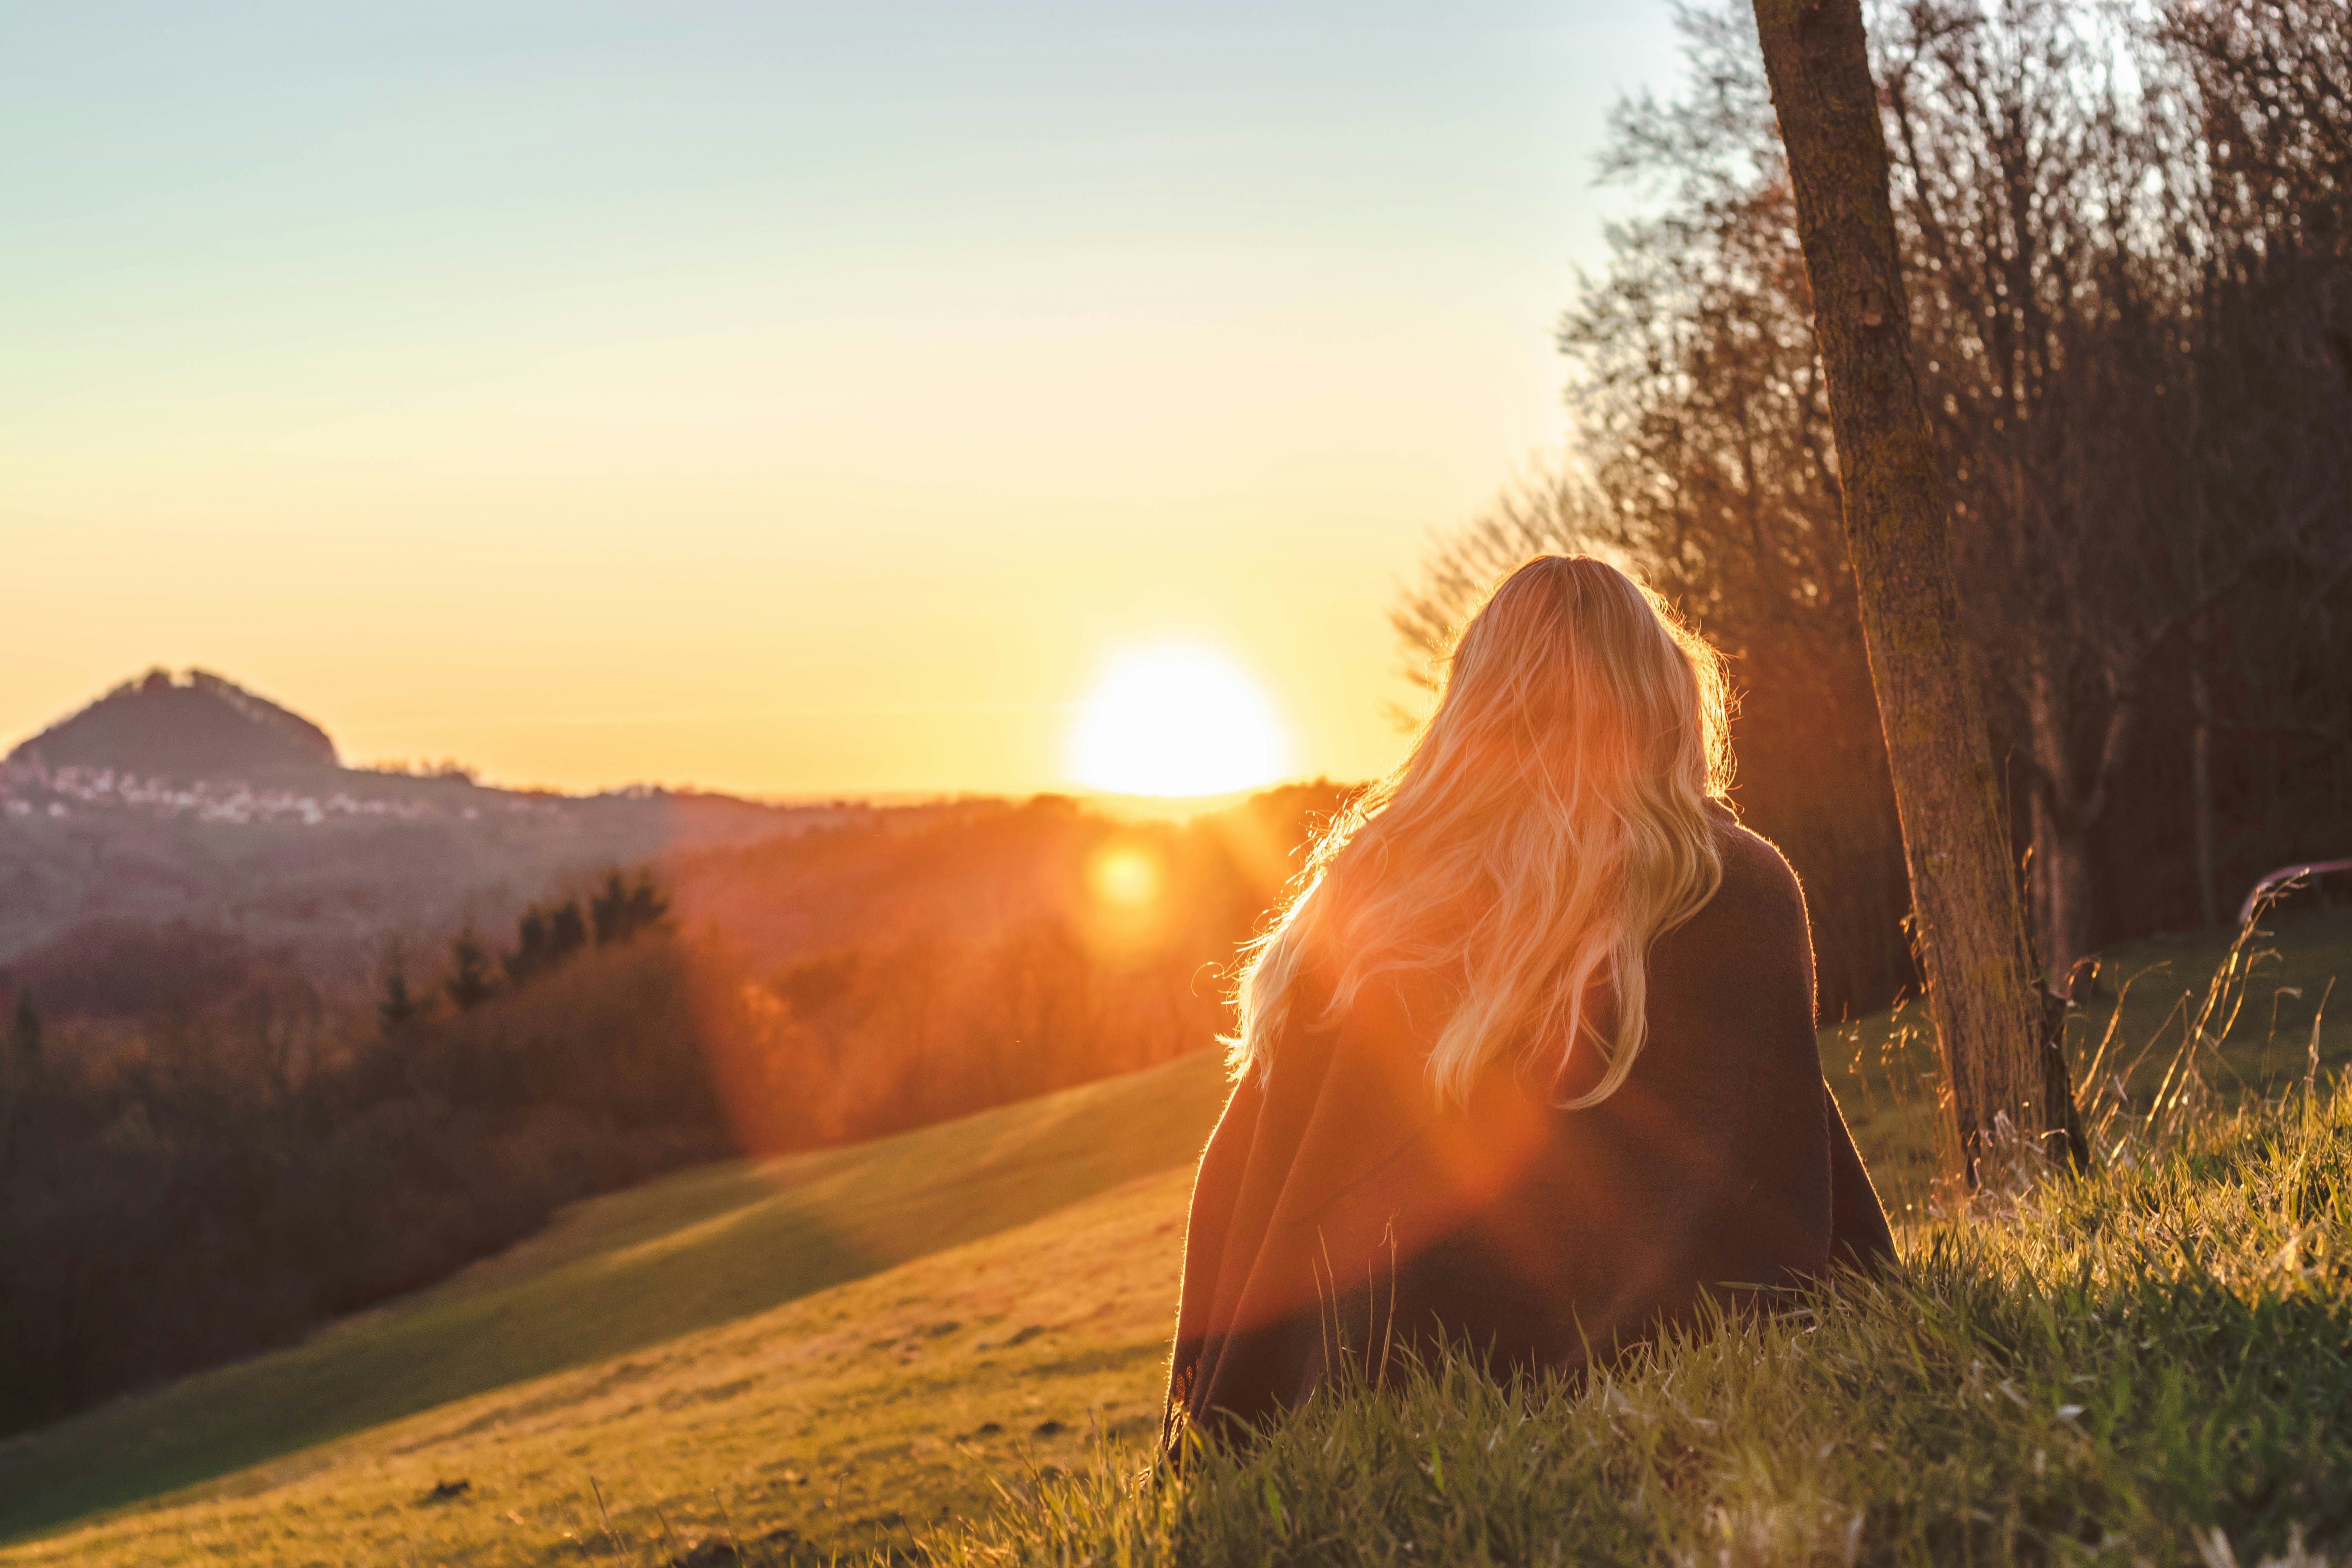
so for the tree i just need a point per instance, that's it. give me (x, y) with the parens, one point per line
(398, 1006)
(623, 908)
(2060, 220)
(608, 910)
(1969, 920)
(648, 906)
(19, 1069)
(470, 983)
(2262, 97)
(567, 930)
(25, 1032)
(531, 954)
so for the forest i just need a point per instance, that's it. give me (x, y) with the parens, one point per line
(2127, 238)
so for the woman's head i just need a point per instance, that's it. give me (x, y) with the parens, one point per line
(1548, 823)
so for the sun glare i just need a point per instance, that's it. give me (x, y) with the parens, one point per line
(1125, 875)
(1176, 721)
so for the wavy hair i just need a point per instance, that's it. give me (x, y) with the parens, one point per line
(1550, 821)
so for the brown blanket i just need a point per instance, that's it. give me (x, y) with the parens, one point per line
(1339, 1207)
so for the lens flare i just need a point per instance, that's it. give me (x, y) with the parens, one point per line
(1176, 720)
(1125, 875)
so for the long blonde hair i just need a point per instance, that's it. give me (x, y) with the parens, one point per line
(1550, 821)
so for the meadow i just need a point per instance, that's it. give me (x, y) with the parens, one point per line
(703, 1252)
(874, 1347)
(850, 1419)
(2152, 1364)
(2187, 1013)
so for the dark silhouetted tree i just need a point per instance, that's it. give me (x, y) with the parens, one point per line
(534, 949)
(24, 1030)
(470, 983)
(623, 908)
(567, 930)
(647, 907)
(608, 910)
(549, 934)
(398, 1006)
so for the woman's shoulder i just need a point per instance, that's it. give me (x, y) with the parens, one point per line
(1759, 884)
(1749, 942)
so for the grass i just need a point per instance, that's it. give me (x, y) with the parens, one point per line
(2273, 1021)
(2153, 1364)
(2150, 1363)
(845, 1421)
(617, 1275)
(731, 1356)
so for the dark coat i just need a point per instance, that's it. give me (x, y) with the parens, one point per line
(1339, 1204)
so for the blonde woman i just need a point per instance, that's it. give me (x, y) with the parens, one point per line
(1529, 1062)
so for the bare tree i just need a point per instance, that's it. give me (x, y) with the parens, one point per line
(2129, 254)
(1970, 928)
(2084, 248)
(2262, 94)
(2033, 200)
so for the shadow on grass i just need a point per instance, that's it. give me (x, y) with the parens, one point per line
(617, 1275)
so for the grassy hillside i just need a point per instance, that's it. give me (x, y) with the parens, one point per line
(2150, 1365)
(670, 1391)
(2272, 1021)
(850, 1418)
(704, 1248)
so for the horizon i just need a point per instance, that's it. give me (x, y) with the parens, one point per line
(808, 406)
(1134, 803)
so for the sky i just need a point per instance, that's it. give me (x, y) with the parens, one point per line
(799, 400)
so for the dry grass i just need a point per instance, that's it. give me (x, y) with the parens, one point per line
(2159, 1026)
(848, 1419)
(618, 1281)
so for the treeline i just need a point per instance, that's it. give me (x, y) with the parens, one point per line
(2127, 240)
(546, 935)
(199, 1184)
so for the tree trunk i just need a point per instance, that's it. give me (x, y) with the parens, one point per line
(1969, 925)
(2062, 890)
(2200, 794)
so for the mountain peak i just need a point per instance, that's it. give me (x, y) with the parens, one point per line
(195, 724)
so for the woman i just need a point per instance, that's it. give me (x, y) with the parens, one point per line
(1530, 1063)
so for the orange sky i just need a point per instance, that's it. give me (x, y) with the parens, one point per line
(798, 405)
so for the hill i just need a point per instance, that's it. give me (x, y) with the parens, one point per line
(197, 726)
(854, 1415)
(848, 1418)
(707, 1246)
(972, 956)
(185, 818)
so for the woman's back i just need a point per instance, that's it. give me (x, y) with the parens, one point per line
(1342, 1203)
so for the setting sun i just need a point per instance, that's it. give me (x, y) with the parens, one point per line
(1176, 720)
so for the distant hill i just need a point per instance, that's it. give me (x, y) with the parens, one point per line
(179, 821)
(196, 725)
